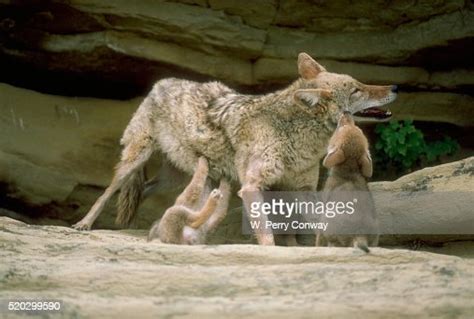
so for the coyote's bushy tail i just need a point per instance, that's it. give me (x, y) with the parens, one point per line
(130, 197)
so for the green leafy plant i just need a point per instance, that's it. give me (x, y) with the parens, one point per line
(403, 145)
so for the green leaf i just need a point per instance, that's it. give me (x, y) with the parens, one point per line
(402, 145)
(394, 125)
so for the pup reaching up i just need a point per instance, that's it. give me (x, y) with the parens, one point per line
(350, 165)
(196, 212)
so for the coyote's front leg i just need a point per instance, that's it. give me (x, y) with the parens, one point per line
(258, 174)
(252, 194)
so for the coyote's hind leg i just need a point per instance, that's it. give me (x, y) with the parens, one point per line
(134, 157)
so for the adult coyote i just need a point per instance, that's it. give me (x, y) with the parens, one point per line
(262, 141)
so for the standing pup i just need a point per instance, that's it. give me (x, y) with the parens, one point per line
(349, 163)
(195, 212)
(272, 141)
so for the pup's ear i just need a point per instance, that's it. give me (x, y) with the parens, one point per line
(335, 156)
(310, 97)
(308, 68)
(365, 163)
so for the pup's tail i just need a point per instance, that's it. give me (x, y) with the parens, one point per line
(362, 243)
(130, 197)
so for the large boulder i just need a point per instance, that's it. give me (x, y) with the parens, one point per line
(434, 204)
(118, 274)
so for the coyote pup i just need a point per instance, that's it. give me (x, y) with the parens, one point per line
(349, 163)
(193, 216)
(272, 141)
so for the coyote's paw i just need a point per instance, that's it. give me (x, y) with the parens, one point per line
(216, 194)
(82, 225)
(265, 239)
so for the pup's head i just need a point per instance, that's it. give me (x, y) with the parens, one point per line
(340, 92)
(348, 146)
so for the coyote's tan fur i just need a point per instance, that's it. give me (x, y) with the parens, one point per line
(195, 212)
(267, 141)
(350, 164)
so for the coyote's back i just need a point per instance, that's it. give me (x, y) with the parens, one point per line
(176, 116)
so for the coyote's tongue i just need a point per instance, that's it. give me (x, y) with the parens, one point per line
(374, 112)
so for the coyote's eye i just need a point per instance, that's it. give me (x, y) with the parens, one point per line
(355, 91)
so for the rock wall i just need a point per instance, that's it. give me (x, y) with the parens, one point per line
(118, 48)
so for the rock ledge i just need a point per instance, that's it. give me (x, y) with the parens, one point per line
(105, 273)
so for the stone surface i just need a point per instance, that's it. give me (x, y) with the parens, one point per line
(434, 200)
(452, 108)
(383, 47)
(119, 274)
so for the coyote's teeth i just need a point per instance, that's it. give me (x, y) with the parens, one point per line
(374, 112)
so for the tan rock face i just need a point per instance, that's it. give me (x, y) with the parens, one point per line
(118, 49)
(112, 273)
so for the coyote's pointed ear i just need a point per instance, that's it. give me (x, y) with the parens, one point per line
(308, 68)
(335, 156)
(310, 97)
(365, 163)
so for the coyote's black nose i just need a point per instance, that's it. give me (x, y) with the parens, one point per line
(395, 88)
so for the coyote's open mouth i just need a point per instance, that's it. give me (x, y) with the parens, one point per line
(374, 113)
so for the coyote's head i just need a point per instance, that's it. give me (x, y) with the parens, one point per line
(341, 93)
